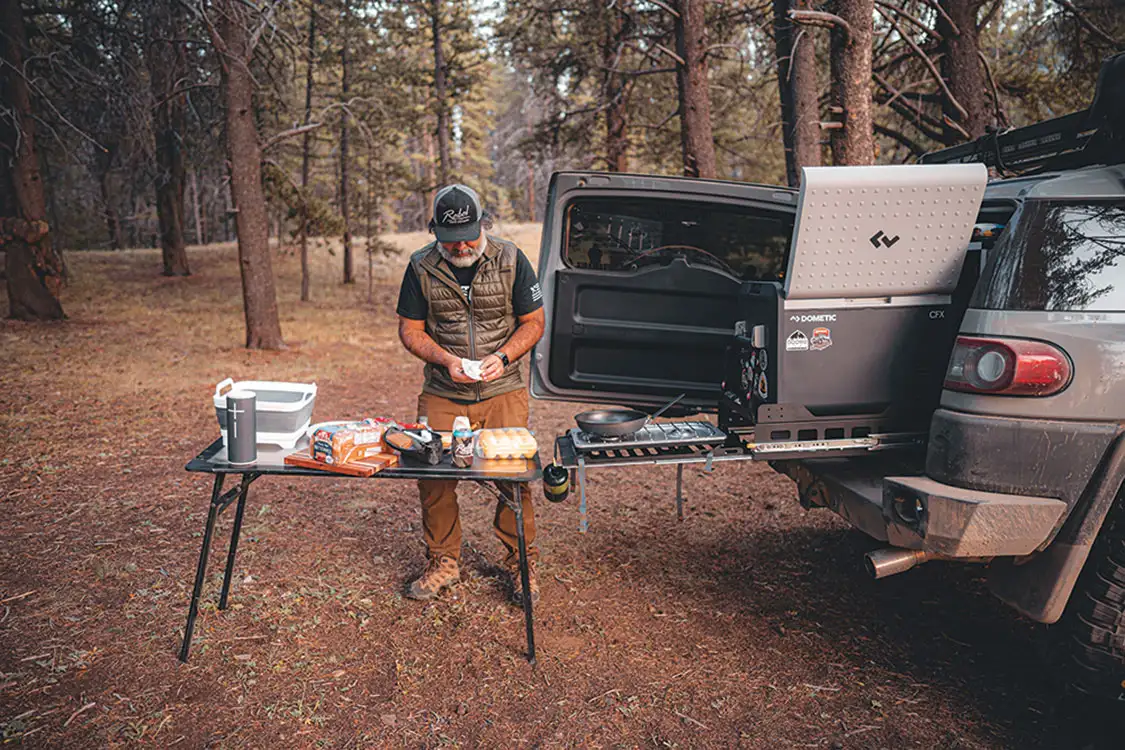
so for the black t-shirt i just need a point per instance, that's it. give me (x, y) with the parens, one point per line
(526, 294)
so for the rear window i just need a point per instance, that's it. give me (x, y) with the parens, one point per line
(626, 234)
(1059, 256)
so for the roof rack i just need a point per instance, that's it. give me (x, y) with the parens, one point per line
(1090, 136)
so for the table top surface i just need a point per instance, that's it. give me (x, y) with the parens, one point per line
(213, 460)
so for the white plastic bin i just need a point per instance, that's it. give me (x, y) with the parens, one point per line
(283, 411)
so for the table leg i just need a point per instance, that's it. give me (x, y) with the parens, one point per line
(234, 535)
(201, 569)
(525, 578)
(679, 492)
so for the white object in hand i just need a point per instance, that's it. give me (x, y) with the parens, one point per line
(471, 368)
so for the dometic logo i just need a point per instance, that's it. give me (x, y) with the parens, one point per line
(823, 318)
(797, 342)
(879, 236)
(460, 216)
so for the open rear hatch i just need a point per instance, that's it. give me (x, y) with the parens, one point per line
(641, 277)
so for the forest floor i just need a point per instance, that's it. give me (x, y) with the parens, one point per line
(749, 624)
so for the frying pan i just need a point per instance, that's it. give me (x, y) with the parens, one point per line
(617, 422)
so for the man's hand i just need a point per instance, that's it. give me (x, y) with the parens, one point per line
(456, 372)
(491, 367)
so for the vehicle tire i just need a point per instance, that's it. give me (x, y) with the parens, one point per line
(1094, 633)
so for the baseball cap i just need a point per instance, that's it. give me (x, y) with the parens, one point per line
(457, 214)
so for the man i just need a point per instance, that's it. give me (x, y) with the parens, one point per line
(469, 296)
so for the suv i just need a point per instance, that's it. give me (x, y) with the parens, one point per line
(978, 418)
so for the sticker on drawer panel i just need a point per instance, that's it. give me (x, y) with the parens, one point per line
(797, 342)
(821, 339)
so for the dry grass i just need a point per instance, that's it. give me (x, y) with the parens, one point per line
(342, 319)
(322, 261)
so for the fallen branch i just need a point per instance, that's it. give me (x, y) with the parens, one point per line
(17, 598)
(693, 721)
(75, 715)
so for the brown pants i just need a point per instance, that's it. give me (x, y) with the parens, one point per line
(441, 521)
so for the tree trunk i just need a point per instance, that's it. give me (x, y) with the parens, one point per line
(428, 169)
(530, 191)
(349, 275)
(797, 87)
(530, 167)
(854, 143)
(307, 140)
(166, 60)
(228, 211)
(441, 102)
(33, 268)
(112, 219)
(615, 92)
(263, 329)
(695, 96)
(963, 70)
(195, 208)
(367, 212)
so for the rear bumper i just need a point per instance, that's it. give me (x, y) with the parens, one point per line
(916, 512)
(953, 522)
(1037, 542)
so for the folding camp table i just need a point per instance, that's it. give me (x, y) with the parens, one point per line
(213, 461)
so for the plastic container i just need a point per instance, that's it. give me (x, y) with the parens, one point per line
(282, 411)
(505, 442)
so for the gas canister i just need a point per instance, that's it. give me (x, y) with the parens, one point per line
(556, 483)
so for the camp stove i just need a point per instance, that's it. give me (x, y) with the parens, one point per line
(672, 443)
(653, 436)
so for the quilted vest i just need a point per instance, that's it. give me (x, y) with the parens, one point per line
(472, 326)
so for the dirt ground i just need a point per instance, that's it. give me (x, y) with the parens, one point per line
(749, 624)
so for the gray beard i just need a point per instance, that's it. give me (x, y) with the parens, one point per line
(465, 262)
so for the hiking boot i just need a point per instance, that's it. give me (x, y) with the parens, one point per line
(513, 567)
(439, 574)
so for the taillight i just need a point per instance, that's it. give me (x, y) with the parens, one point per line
(1008, 367)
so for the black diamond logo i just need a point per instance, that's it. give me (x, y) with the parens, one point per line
(887, 241)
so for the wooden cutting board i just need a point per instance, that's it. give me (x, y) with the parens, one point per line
(364, 468)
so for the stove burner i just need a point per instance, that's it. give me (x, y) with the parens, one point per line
(652, 435)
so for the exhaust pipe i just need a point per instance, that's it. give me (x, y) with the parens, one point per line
(887, 562)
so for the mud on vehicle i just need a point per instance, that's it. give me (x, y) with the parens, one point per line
(935, 351)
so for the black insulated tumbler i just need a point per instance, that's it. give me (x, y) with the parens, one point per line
(242, 428)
